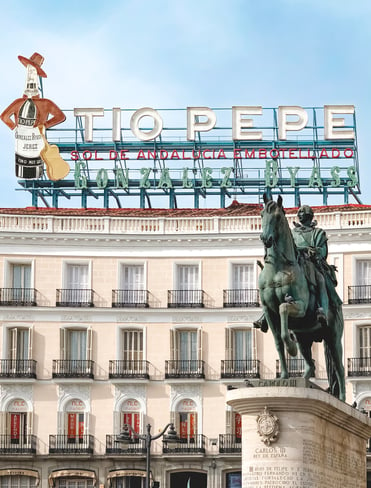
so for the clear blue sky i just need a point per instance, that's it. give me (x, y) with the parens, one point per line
(163, 54)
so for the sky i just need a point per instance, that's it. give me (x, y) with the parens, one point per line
(174, 54)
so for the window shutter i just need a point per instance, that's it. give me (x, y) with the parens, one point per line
(228, 421)
(29, 421)
(63, 342)
(173, 345)
(13, 343)
(228, 343)
(89, 343)
(30, 342)
(199, 343)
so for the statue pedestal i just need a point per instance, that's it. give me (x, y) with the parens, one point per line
(312, 440)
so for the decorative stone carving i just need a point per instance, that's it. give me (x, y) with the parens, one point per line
(268, 427)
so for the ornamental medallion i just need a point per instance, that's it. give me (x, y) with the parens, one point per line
(268, 427)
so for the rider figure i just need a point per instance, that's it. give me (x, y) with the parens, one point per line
(311, 243)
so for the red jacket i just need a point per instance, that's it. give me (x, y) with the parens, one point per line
(44, 108)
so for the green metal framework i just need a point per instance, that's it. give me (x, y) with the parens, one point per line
(98, 171)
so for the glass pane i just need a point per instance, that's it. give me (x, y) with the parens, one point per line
(242, 346)
(187, 277)
(132, 277)
(77, 344)
(77, 276)
(242, 276)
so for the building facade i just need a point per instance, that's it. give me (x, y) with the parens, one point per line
(135, 317)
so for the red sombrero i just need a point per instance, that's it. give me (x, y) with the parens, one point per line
(36, 60)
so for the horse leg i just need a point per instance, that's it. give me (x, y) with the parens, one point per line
(306, 351)
(284, 315)
(275, 328)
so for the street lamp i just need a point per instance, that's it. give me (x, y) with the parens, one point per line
(126, 437)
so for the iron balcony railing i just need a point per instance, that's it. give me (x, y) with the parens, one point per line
(240, 368)
(186, 445)
(193, 368)
(20, 444)
(69, 297)
(17, 368)
(65, 444)
(128, 369)
(359, 294)
(19, 297)
(295, 367)
(359, 366)
(130, 298)
(133, 447)
(73, 368)
(185, 298)
(229, 443)
(241, 297)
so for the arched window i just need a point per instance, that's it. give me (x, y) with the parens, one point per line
(75, 421)
(131, 415)
(18, 425)
(186, 419)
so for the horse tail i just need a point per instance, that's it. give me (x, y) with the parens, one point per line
(335, 335)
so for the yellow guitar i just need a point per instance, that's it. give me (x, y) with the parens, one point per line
(56, 167)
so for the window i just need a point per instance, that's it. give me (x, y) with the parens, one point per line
(131, 415)
(128, 482)
(18, 423)
(77, 276)
(19, 282)
(186, 420)
(13, 481)
(132, 345)
(76, 344)
(74, 423)
(242, 276)
(74, 483)
(361, 292)
(187, 277)
(243, 290)
(233, 480)
(186, 352)
(364, 338)
(20, 343)
(132, 277)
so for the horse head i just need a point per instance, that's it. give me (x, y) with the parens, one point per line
(273, 218)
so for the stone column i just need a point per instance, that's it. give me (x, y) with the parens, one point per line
(300, 438)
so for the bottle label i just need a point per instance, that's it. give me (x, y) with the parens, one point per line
(28, 141)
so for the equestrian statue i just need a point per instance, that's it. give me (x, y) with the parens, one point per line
(297, 292)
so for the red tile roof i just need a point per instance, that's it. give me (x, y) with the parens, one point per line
(235, 209)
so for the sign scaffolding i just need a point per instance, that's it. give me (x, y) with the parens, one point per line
(130, 157)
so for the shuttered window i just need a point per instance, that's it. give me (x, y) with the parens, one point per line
(132, 345)
(364, 337)
(242, 276)
(132, 277)
(77, 276)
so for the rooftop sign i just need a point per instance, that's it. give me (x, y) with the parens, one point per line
(196, 152)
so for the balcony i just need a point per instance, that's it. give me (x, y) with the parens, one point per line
(193, 368)
(136, 447)
(359, 294)
(17, 368)
(359, 366)
(73, 368)
(240, 368)
(185, 298)
(229, 443)
(186, 445)
(65, 444)
(68, 297)
(22, 444)
(241, 297)
(18, 297)
(295, 367)
(130, 298)
(128, 369)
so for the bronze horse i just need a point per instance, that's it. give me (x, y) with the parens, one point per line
(289, 302)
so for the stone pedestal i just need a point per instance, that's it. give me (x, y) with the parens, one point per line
(300, 437)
